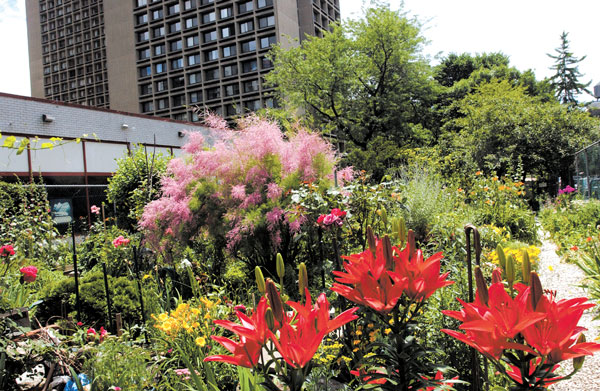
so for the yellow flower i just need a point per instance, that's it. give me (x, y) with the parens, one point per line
(201, 341)
(358, 332)
(146, 276)
(495, 178)
(387, 331)
(550, 268)
(356, 342)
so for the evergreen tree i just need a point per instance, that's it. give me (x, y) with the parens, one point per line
(565, 81)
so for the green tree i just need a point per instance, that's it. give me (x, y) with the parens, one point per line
(135, 183)
(365, 78)
(565, 81)
(503, 129)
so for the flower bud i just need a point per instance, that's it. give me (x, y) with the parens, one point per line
(501, 256)
(510, 270)
(302, 278)
(270, 319)
(260, 280)
(578, 361)
(274, 300)
(535, 290)
(384, 216)
(280, 266)
(526, 264)
(388, 253)
(411, 244)
(482, 289)
(497, 275)
(402, 231)
(371, 241)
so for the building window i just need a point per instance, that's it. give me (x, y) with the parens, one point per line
(266, 21)
(229, 51)
(143, 54)
(189, 4)
(193, 59)
(211, 74)
(178, 81)
(192, 41)
(195, 97)
(173, 9)
(232, 89)
(141, 3)
(226, 12)
(174, 27)
(178, 100)
(246, 26)
(210, 36)
(146, 89)
(159, 49)
(251, 86)
(227, 31)
(229, 70)
(157, 14)
(175, 45)
(143, 36)
(231, 110)
(191, 22)
(194, 78)
(265, 63)
(177, 63)
(160, 67)
(211, 55)
(162, 104)
(161, 85)
(264, 3)
(158, 31)
(147, 107)
(252, 105)
(249, 66)
(142, 18)
(248, 46)
(246, 6)
(208, 17)
(144, 71)
(265, 42)
(205, 2)
(213, 93)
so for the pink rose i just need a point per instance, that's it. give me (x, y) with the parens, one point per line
(120, 241)
(29, 273)
(7, 250)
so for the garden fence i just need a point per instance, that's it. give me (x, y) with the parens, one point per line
(587, 171)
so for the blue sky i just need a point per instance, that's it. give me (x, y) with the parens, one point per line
(525, 30)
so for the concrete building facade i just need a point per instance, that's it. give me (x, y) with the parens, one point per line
(160, 57)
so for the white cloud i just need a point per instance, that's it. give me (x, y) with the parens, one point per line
(14, 63)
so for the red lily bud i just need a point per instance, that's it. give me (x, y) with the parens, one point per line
(388, 253)
(497, 275)
(275, 300)
(535, 290)
(482, 289)
(411, 244)
(371, 240)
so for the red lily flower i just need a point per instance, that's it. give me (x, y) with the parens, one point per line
(371, 285)
(515, 373)
(366, 378)
(489, 328)
(556, 335)
(423, 276)
(253, 334)
(299, 342)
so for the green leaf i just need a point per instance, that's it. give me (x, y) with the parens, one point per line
(76, 379)
(9, 142)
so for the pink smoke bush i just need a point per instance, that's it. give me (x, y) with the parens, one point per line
(240, 184)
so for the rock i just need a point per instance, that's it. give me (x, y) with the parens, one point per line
(30, 380)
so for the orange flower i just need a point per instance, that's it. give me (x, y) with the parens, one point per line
(478, 173)
(495, 178)
(459, 190)
(574, 248)
(588, 239)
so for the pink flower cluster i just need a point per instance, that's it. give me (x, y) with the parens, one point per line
(241, 171)
(120, 241)
(95, 210)
(29, 273)
(567, 190)
(101, 334)
(334, 218)
(7, 250)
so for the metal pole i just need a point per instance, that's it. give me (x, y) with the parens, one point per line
(475, 374)
(139, 284)
(587, 174)
(77, 300)
(110, 322)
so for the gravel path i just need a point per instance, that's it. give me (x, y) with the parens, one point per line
(565, 278)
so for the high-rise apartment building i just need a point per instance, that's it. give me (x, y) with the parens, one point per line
(160, 57)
